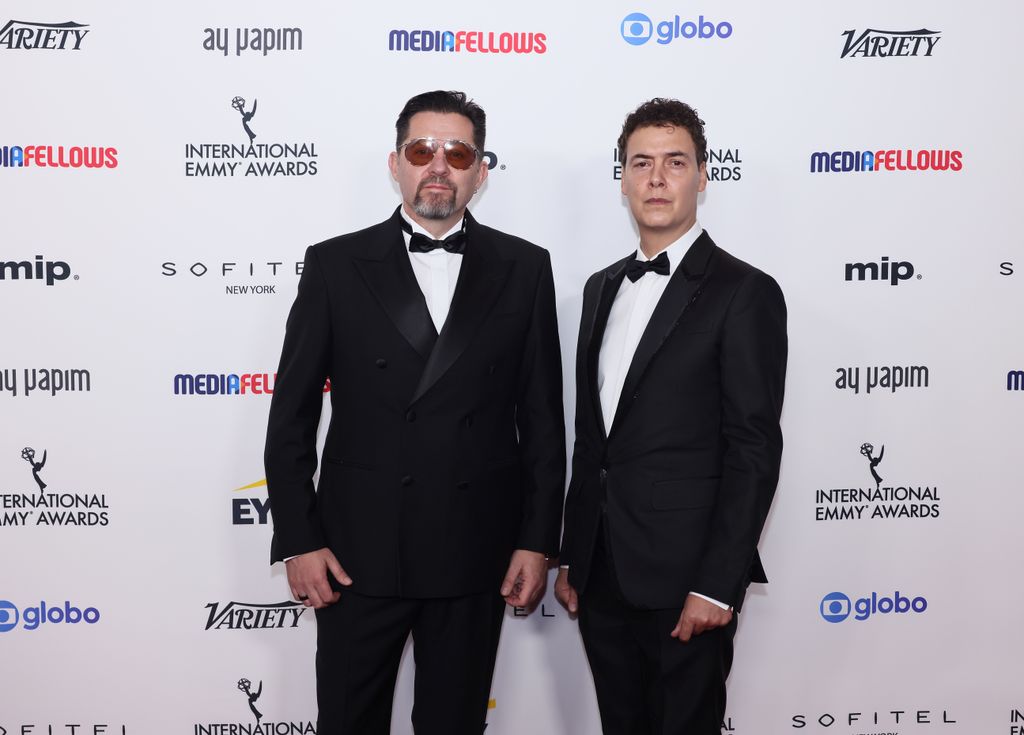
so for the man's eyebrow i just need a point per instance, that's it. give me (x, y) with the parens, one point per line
(670, 154)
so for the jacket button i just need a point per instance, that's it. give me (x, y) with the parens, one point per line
(468, 421)
(410, 417)
(490, 370)
(407, 480)
(381, 362)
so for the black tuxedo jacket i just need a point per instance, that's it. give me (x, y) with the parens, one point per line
(444, 452)
(685, 475)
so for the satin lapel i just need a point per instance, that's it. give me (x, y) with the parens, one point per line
(682, 290)
(598, 323)
(481, 279)
(386, 269)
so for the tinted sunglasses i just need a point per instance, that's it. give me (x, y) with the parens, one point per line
(458, 153)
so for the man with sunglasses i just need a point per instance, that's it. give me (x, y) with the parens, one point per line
(441, 479)
(681, 367)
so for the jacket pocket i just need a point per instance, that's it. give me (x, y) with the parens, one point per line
(691, 492)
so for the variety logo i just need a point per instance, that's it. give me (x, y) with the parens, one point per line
(887, 719)
(47, 271)
(30, 618)
(637, 29)
(895, 272)
(249, 159)
(882, 378)
(836, 607)
(880, 44)
(263, 40)
(17, 35)
(891, 159)
(250, 616)
(48, 156)
(248, 511)
(853, 503)
(41, 507)
(252, 695)
(45, 381)
(724, 164)
(473, 42)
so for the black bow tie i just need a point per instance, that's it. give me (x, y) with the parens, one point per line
(636, 268)
(420, 243)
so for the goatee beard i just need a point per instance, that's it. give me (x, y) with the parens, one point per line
(435, 205)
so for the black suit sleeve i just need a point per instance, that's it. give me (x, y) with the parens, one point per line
(290, 456)
(541, 423)
(753, 376)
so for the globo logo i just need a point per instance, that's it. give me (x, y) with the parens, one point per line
(836, 607)
(43, 614)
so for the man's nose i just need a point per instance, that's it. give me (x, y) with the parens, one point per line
(439, 164)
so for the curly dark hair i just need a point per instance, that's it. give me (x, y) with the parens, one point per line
(664, 112)
(444, 102)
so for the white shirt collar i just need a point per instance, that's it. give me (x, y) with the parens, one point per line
(677, 250)
(417, 228)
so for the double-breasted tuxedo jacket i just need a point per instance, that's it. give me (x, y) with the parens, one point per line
(684, 477)
(444, 451)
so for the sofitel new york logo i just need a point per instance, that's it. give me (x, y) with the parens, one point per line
(48, 507)
(871, 43)
(252, 695)
(18, 35)
(249, 159)
(880, 501)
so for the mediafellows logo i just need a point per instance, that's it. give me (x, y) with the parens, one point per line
(836, 607)
(886, 159)
(246, 157)
(31, 618)
(224, 384)
(50, 156)
(874, 44)
(473, 42)
(637, 29)
(19, 35)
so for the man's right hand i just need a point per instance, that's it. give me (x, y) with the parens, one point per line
(565, 592)
(307, 576)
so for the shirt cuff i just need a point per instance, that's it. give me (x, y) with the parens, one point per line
(712, 600)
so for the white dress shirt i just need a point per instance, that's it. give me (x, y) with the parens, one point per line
(436, 272)
(631, 311)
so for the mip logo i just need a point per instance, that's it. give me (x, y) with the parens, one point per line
(8, 616)
(835, 607)
(637, 29)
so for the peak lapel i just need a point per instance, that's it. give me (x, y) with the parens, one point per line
(610, 285)
(385, 268)
(683, 289)
(481, 279)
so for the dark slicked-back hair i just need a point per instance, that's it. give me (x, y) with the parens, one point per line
(662, 113)
(444, 102)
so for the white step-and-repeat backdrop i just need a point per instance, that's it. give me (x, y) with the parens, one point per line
(163, 169)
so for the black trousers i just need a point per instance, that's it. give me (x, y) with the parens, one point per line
(647, 682)
(359, 648)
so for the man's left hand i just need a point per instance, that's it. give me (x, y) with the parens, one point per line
(699, 615)
(525, 579)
